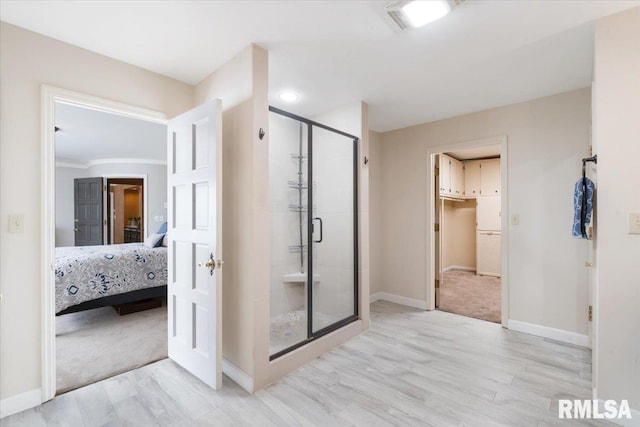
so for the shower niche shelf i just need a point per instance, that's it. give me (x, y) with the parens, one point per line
(300, 278)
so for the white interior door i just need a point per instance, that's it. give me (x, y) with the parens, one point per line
(195, 241)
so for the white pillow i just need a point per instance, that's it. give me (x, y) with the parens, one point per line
(153, 240)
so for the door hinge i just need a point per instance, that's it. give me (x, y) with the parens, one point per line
(104, 188)
(437, 171)
(436, 227)
(437, 284)
(104, 222)
(590, 313)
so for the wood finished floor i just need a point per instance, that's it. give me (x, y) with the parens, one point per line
(412, 368)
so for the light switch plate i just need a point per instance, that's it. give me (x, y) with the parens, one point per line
(158, 218)
(515, 219)
(16, 223)
(633, 227)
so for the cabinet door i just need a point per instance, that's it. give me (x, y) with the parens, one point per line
(489, 253)
(454, 177)
(488, 213)
(459, 172)
(490, 177)
(472, 179)
(445, 175)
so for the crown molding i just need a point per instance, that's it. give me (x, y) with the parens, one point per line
(90, 163)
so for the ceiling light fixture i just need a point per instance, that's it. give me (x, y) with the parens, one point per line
(421, 12)
(288, 96)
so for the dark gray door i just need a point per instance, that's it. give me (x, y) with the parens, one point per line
(88, 210)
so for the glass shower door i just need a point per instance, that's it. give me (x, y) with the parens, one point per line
(333, 228)
(288, 176)
(313, 193)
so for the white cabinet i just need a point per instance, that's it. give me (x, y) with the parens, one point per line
(488, 213)
(482, 178)
(472, 178)
(490, 177)
(457, 178)
(445, 174)
(489, 253)
(451, 177)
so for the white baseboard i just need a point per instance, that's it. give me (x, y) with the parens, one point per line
(459, 267)
(21, 402)
(547, 332)
(626, 422)
(239, 376)
(409, 302)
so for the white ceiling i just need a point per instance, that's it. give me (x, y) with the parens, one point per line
(87, 136)
(484, 54)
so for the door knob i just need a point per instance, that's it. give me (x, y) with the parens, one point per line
(210, 264)
(76, 230)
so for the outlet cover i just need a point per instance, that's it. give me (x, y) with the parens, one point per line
(515, 219)
(16, 223)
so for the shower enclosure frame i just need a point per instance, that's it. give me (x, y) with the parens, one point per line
(312, 336)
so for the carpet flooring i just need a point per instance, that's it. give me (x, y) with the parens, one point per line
(96, 344)
(467, 294)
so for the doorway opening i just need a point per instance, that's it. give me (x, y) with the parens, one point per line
(125, 210)
(110, 282)
(469, 230)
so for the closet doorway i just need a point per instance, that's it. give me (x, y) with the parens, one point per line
(468, 238)
(125, 210)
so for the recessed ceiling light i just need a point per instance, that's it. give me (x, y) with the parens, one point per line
(288, 96)
(422, 12)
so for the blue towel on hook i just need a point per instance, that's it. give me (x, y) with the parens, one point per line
(583, 207)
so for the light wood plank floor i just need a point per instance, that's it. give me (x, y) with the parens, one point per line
(412, 368)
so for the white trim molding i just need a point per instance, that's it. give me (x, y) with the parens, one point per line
(87, 165)
(239, 376)
(633, 422)
(551, 333)
(49, 97)
(409, 302)
(20, 402)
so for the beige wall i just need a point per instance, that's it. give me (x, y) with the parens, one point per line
(547, 137)
(375, 208)
(234, 84)
(616, 115)
(459, 234)
(28, 60)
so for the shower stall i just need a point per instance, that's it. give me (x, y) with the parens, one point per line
(314, 251)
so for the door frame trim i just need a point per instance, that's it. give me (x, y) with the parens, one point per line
(49, 96)
(501, 140)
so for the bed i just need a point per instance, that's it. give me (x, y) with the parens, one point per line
(96, 276)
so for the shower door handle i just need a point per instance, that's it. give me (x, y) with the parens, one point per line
(321, 229)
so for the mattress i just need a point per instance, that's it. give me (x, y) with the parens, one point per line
(85, 273)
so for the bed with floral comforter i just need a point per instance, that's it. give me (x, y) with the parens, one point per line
(85, 273)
